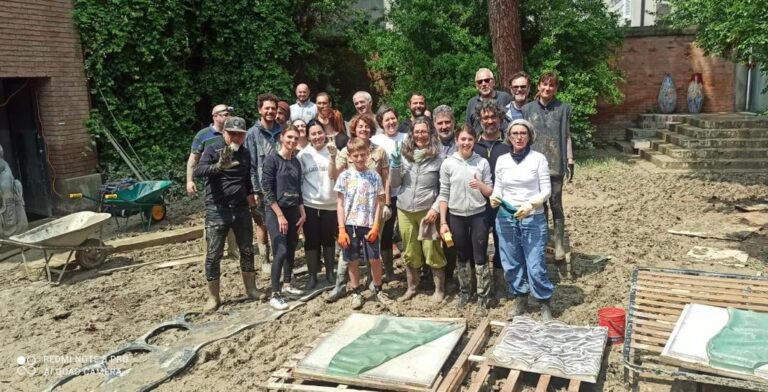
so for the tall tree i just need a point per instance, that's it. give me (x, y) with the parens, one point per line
(504, 22)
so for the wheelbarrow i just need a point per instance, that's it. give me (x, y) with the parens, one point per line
(72, 234)
(125, 199)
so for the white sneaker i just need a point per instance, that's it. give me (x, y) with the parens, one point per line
(357, 301)
(278, 303)
(292, 290)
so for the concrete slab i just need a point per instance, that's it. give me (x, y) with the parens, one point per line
(723, 256)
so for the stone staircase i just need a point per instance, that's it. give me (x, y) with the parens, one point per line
(717, 142)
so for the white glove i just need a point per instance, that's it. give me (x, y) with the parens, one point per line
(495, 201)
(524, 210)
(386, 213)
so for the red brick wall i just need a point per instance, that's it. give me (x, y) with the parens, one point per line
(646, 56)
(38, 40)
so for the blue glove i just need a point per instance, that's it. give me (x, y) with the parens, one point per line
(396, 158)
(507, 209)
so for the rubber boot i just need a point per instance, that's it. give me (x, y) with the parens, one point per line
(329, 257)
(262, 257)
(412, 277)
(464, 272)
(518, 306)
(388, 260)
(249, 282)
(438, 276)
(559, 234)
(313, 265)
(213, 297)
(546, 312)
(484, 286)
(342, 270)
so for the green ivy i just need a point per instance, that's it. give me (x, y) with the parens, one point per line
(160, 65)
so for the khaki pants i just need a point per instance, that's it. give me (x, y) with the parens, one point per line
(415, 252)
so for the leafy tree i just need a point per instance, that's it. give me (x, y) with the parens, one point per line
(436, 47)
(156, 67)
(735, 30)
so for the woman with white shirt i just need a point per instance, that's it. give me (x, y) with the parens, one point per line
(317, 165)
(521, 188)
(389, 140)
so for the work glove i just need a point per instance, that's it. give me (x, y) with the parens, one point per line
(373, 234)
(386, 213)
(332, 150)
(569, 175)
(396, 158)
(524, 210)
(257, 216)
(495, 201)
(343, 237)
(226, 159)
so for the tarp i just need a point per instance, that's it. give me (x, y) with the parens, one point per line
(742, 345)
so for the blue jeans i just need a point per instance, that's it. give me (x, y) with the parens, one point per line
(522, 245)
(218, 221)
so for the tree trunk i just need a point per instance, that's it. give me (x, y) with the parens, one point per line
(504, 20)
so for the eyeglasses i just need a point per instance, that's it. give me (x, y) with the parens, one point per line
(484, 81)
(515, 135)
(523, 87)
(223, 113)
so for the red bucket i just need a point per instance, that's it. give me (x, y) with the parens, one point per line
(614, 319)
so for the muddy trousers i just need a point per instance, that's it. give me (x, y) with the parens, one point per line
(470, 239)
(219, 220)
(555, 203)
(522, 255)
(283, 245)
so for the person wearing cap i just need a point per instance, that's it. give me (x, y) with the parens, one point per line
(209, 135)
(228, 194)
(520, 189)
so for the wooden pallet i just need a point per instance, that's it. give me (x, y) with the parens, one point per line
(657, 299)
(513, 381)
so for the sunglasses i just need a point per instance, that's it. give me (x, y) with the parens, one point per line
(483, 81)
(523, 87)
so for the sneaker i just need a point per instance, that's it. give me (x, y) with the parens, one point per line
(357, 301)
(292, 290)
(277, 302)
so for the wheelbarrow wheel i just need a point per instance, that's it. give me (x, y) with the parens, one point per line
(90, 258)
(156, 213)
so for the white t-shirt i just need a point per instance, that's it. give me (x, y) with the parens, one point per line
(389, 144)
(316, 187)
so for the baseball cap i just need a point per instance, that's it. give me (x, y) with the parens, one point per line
(235, 124)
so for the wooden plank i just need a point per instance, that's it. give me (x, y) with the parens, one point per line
(646, 347)
(510, 384)
(365, 383)
(485, 368)
(574, 385)
(648, 275)
(651, 305)
(461, 366)
(651, 332)
(736, 284)
(709, 288)
(656, 316)
(543, 383)
(149, 240)
(711, 295)
(650, 339)
(713, 302)
(707, 369)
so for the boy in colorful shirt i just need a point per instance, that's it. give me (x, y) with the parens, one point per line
(360, 197)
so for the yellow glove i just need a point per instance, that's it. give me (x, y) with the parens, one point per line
(524, 210)
(495, 201)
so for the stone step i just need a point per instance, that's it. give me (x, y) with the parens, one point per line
(692, 142)
(641, 133)
(624, 146)
(667, 162)
(712, 153)
(730, 133)
(728, 121)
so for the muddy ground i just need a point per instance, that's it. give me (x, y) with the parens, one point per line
(614, 207)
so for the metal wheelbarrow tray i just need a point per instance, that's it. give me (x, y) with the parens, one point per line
(145, 197)
(71, 234)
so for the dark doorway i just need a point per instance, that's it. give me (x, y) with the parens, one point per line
(23, 144)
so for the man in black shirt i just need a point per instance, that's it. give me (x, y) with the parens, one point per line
(228, 194)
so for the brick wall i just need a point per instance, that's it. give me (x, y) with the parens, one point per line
(649, 53)
(39, 40)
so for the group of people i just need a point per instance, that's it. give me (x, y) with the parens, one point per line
(357, 188)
